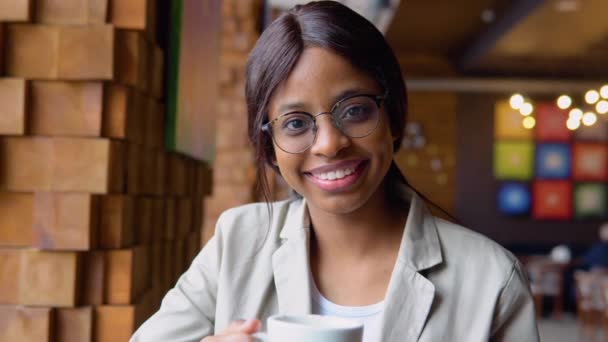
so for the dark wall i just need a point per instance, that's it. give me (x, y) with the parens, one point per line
(476, 188)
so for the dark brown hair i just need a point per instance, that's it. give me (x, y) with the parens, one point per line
(329, 25)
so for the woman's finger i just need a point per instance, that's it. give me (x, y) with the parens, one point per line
(249, 326)
(239, 337)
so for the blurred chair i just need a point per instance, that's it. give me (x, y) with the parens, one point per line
(547, 280)
(604, 295)
(591, 302)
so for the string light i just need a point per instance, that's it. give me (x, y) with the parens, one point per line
(564, 102)
(589, 118)
(573, 124)
(516, 101)
(529, 122)
(602, 107)
(604, 91)
(576, 117)
(576, 114)
(592, 96)
(526, 109)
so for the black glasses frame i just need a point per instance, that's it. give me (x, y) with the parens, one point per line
(378, 99)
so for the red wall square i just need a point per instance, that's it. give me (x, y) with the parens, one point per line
(590, 162)
(551, 123)
(552, 200)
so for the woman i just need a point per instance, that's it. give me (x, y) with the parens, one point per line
(327, 107)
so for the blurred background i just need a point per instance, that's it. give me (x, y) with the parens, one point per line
(123, 137)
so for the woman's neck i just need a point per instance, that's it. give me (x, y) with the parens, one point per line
(375, 227)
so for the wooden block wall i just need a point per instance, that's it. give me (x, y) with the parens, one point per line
(15, 11)
(20, 323)
(13, 94)
(74, 324)
(97, 219)
(71, 12)
(233, 169)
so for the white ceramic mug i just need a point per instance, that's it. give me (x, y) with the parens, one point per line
(311, 328)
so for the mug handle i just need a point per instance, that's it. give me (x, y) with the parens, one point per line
(260, 337)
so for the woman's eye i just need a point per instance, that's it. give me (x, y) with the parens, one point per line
(295, 125)
(355, 113)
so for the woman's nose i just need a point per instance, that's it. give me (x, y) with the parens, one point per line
(329, 140)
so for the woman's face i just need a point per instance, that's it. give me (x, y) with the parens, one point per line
(318, 81)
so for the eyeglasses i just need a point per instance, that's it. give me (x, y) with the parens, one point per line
(355, 116)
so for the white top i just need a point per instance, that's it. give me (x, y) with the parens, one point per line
(369, 315)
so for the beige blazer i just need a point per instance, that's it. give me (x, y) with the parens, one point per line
(448, 284)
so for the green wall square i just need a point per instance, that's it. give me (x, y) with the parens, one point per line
(514, 160)
(590, 200)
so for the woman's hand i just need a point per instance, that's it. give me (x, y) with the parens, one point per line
(238, 331)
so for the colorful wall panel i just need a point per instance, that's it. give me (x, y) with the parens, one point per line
(550, 172)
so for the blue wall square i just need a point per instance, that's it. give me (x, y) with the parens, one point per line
(553, 161)
(514, 198)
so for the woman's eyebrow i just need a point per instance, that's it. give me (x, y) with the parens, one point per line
(291, 106)
(350, 92)
(299, 105)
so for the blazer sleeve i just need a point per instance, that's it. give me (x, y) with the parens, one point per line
(187, 312)
(514, 317)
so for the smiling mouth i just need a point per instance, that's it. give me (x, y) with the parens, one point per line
(339, 179)
(336, 174)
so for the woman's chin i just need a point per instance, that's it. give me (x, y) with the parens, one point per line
(338, 205)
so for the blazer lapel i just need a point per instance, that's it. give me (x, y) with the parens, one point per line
(290, 264)
(408, 304)
(410, 295)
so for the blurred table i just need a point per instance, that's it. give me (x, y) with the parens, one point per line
(547, 280)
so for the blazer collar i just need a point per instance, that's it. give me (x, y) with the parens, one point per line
(409, 296)
(420, 247)
(290, 262)
(296, 220)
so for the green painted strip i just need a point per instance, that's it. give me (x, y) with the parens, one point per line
(173, 75)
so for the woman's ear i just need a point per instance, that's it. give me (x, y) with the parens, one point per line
(275, 165)
(396, 143)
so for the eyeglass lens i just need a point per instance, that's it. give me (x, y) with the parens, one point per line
(355, 117)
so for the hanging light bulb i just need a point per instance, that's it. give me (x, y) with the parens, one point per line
(589, 118)
(516, 101)
(592, 96)
(564, 102)
(602, 107)
(604, 91)
(576, 114)
(573, 124)
(529, 122)
(526, 109)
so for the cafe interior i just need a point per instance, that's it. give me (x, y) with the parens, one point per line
(123, 137)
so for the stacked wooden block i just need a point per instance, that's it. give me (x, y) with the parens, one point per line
(97, 220)
(233, 169)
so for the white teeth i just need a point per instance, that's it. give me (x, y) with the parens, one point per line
(333, 175)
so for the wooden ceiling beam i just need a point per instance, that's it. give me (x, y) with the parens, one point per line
(498, 85)
(490, 37)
